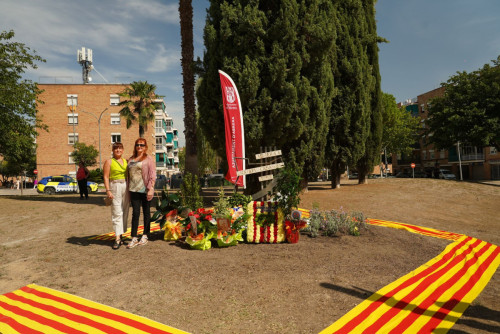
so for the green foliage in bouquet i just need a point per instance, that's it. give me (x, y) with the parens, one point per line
(168, 204)
(287, 190)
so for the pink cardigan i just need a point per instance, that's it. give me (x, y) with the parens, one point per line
(149, 172)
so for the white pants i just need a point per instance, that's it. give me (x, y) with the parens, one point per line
(120, 207)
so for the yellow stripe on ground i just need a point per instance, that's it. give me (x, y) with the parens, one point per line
(24, 321)
(88, 305)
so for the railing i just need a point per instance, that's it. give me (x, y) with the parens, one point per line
(161, 147)
(160, 164)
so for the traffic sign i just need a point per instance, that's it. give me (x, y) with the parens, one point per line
(35, 171)
(412, 165)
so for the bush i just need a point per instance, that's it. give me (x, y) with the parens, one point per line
(336, 222)
(95, 175)
(190, 192)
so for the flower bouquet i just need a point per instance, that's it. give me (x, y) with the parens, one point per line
(292, 228)
(200, 227)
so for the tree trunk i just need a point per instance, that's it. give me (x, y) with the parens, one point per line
(187, 51)
(362, 179)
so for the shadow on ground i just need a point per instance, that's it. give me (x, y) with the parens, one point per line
(473, 311)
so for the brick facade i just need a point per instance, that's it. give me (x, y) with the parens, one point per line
(92, 99)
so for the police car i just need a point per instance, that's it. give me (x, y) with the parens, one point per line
(62, 184)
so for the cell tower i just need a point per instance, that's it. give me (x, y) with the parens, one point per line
(84, 58)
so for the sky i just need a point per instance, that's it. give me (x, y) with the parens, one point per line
(137, 40)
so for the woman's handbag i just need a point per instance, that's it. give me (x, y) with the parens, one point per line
(108, 201)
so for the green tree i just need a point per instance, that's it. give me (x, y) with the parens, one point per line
(207, 157)
(86, 153)
(469, 111)
(284, 93)
(371, 157)
(182, 159)
(187, 51)
(139, 105)
(350, 114)
(400, 128)
(18, 100)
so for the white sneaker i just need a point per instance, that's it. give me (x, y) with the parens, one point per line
(144, 240)
(133, 243)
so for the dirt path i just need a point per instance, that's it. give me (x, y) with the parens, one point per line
(300, 288)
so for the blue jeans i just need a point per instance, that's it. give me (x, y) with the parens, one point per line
(137, 200)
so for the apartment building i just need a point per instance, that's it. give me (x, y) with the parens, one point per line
(474, 163)
(87, 113)
(167, 142)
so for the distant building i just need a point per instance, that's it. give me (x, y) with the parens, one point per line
(478, 163)
(167, 142)
(95, 104)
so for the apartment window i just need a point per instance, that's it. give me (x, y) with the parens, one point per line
(72, 99)
(441, 154)
(72, 138)
(115, 119)
(116, 137)
(73, 119)
(424, 154)
(114, 99)
(70, 158)
(431, 153)
(493, 150)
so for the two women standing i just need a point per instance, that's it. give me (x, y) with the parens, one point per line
(133, 182)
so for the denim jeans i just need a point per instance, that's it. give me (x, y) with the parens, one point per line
(138, 200)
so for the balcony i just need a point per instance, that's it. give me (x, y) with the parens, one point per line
(161, 164)
(467, 154)
(161, 148)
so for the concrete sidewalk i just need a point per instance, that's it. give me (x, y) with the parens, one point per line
(17, 192)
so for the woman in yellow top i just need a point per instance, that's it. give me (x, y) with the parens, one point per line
(115, 181)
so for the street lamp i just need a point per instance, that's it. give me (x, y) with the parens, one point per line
(72, 108)
(99, 126)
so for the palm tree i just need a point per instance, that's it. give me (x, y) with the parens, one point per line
(139, 105)
(187, 51)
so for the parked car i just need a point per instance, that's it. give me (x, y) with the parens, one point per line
(403, 175)
(62, 184)
(446, 175)
(175, 181)
(161, 181)
(353, 176)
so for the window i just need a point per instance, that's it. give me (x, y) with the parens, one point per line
(116, 137)
(431, 153)
(114, 99)
(72, 99)
(115, 119)
(493, 150)
(424, 154)
(70, 158)
(441, 154)
(73, 119)
(72, 138)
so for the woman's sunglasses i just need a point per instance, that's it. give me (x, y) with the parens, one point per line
(140, 145)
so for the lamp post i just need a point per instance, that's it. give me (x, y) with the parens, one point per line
(72, 108)
(99, 127)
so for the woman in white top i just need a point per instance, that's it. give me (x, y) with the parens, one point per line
(142, 177)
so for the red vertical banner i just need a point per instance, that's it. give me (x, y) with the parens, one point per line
(233, 125)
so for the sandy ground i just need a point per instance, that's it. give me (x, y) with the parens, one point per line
(293, 288)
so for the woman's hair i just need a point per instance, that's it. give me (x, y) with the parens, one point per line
(135, 155)
(117, 145)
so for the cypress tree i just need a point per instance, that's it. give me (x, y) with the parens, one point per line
(373, 143)
(350, 111)
(274, 51)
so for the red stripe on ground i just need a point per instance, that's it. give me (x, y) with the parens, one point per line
(20, 328)
(348, 327)
(62, 313)
(459, 295)
(38, 318)
(422, 286)
(97, 312)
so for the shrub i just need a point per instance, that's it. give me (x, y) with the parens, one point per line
(335, 222)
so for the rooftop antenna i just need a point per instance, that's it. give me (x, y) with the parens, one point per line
(84, 58)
